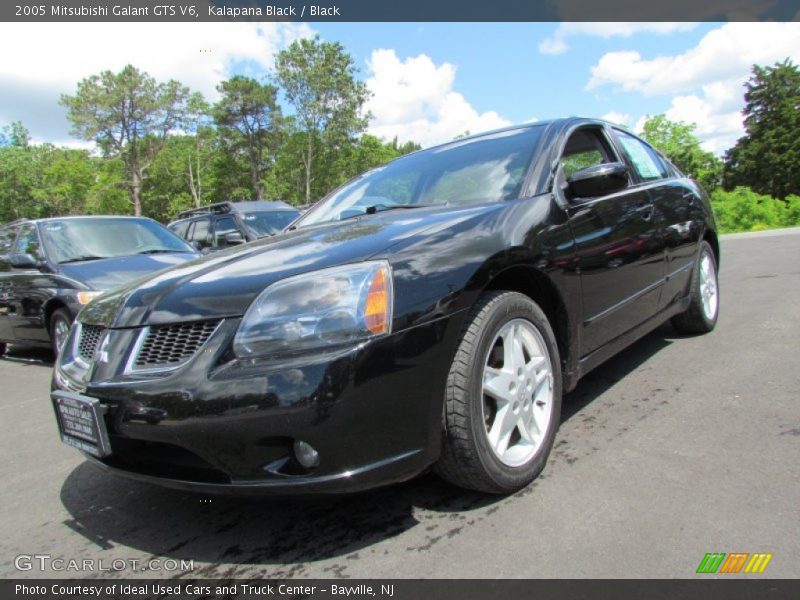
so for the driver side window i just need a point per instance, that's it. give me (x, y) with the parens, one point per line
(28, 242)
(585, 148)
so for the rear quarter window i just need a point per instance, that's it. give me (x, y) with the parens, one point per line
(646, 161)
(180, 228)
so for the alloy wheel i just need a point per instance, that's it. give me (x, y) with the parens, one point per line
(708, 287)
(517, 392)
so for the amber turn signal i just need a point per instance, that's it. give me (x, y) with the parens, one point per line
(377, 310)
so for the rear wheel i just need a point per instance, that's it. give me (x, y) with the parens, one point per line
(60, 323)
(503, 398)
(701, 316)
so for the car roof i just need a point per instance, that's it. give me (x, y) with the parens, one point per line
(562, 122)
(242, 206)
(71, 218)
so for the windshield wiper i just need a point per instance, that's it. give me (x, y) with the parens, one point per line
(163, 251)
(82, 259)
(376, 208)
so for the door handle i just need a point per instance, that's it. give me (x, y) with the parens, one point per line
(645, 210)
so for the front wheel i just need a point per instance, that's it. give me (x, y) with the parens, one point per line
(703, 311)
(503, 397)
(60, 324)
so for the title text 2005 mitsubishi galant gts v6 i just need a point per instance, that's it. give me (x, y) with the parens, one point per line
(429, 313)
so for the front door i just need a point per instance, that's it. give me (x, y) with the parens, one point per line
(30, 289)
(7, 237)
(619, 246)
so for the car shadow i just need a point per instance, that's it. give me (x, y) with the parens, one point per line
(278, 537)
(40, 357)
(598, 381)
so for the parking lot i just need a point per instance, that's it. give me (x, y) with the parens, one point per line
(675, 448)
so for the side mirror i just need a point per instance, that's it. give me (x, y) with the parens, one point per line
(24, 261)
(598, 180)
(233, 238)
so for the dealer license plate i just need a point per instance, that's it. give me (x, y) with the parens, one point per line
(80, 420)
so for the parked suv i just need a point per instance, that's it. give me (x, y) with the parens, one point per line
(50, 268)
(430, 312)
(225, 224)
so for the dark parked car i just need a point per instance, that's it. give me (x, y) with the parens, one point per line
(50, 268)
(430, 312)
(226, 224)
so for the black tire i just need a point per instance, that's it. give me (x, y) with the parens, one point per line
(2, 348)
(467, 459)
(694, 319)
(59, 317)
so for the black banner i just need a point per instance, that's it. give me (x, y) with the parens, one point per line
(405, 11)
(398, 589)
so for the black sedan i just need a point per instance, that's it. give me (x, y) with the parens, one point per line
(51, 268)
(429, 313)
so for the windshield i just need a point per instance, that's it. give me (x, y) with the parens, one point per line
(72, 240)
(262, 224)
(489, 168)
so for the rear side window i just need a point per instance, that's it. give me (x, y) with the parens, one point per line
(646, 162)
(180, 228)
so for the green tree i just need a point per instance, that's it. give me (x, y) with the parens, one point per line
(18, 177)
(198, 164)
(43, 180)
(249, 122)
(319, 81)
(766, 158)
(65, 178)
(15, 135)
(129, 115)
(678, 142)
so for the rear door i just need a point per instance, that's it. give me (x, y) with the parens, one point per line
(619, 245)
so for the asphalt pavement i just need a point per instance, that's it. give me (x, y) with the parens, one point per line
(677, 447)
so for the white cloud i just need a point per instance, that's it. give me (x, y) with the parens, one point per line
(557, 43)
(727, 52)
(718, 120)
(32, 81)
(617, 117)
(413, 99)
(639, 126)
(707, 79)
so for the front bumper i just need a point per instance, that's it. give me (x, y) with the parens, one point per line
(220, 425)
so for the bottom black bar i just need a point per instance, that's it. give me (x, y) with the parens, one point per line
(403, 589)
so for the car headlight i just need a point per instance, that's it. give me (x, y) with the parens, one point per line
(327, 309)
(85, 297)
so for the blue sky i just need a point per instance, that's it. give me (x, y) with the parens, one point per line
(501, 69)
(430, 81)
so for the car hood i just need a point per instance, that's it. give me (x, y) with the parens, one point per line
(223, 284)
(109, 273)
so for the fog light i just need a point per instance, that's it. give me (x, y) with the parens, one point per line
(305, 454)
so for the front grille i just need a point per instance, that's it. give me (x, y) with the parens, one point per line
(90, 339)
(170, 345)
